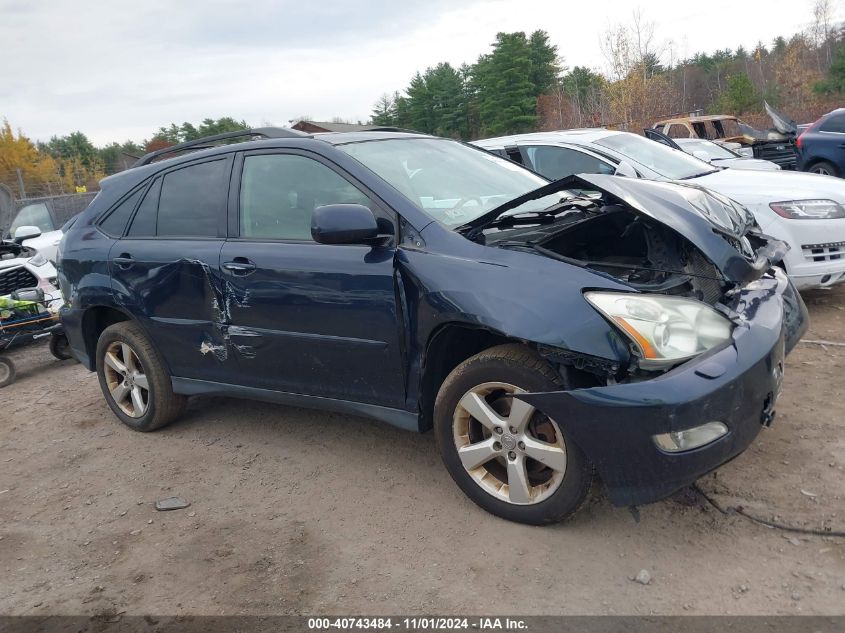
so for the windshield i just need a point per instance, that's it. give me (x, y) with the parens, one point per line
(714, 151)
(667, 162)
(451, 182)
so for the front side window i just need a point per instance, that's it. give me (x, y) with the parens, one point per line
(452, 182)
(669, 163)
(279, 193)
(33, 215)
(559, 162)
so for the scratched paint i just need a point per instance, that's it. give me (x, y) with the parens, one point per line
(221, 305)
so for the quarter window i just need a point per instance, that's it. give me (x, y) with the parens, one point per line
(279, 193)
(114, 223)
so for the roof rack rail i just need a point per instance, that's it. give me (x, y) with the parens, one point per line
(207, 141)
(390, 128)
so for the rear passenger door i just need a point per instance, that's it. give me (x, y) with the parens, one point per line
(165, 270)
(314, 319)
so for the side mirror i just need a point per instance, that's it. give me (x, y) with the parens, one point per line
(343, 224)
(700, 155)
(625, 169)
(26, 233)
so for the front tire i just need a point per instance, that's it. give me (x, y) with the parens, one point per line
(134, 379)
(509, 458)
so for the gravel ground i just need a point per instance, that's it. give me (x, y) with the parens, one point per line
(297, 511)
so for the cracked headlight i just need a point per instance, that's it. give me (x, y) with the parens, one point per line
(808, 209)
(664, 330)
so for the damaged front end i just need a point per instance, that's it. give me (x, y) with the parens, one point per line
(709, 320)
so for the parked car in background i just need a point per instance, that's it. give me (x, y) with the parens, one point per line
(543, 330)
(804, 210)
(714, 153)
(47, 215)
(776, 144)
(22, 266)
(821, 146)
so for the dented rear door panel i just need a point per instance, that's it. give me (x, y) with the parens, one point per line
(173, 288)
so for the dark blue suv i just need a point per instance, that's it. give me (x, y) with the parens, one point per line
(545, 331)
(821, 147)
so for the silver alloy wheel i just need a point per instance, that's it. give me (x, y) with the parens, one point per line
(5, 372)
(126, 380)
(500, 445)
(822, 171)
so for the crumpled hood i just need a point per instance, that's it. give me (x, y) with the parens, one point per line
(710, 221)
(755, 187)
(783, 124)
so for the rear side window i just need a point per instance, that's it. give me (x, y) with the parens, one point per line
(144, 224)
(114, 223)
(191, 200)
(835, 123)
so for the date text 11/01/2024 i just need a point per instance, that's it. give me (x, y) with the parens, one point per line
(417, 624)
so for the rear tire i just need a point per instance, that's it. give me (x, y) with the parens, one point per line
(7, 372)
(825, 168)
(497, 462)
(60, 347)
(134, 379)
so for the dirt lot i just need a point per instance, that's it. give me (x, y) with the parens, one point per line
(296, 511)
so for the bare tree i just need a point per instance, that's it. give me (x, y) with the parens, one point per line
(822, 30)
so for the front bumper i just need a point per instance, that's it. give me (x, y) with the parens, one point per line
(737, 385)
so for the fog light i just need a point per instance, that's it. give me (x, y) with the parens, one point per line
(689, 439)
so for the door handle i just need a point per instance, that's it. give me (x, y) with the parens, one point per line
(239, 266)
(124, 261)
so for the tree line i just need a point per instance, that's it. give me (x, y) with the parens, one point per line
(522, 84)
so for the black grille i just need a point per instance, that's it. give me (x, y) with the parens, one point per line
(12, 279)
(706, 280)
(782, 153)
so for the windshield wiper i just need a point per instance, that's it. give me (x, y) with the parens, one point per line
(472, 229)
(703, 173)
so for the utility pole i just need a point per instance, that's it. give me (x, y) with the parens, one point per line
(20, 183)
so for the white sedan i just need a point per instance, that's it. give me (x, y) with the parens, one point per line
(721, 156)
(807, 211)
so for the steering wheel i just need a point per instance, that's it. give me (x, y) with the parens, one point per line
(463, 202)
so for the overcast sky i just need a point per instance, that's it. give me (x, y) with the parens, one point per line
(118, 70)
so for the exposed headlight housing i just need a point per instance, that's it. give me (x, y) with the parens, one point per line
(664, 330)
(808, 209)
(688, 439)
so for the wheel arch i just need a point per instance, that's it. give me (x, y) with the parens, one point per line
(94, 321)
(448, 346)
